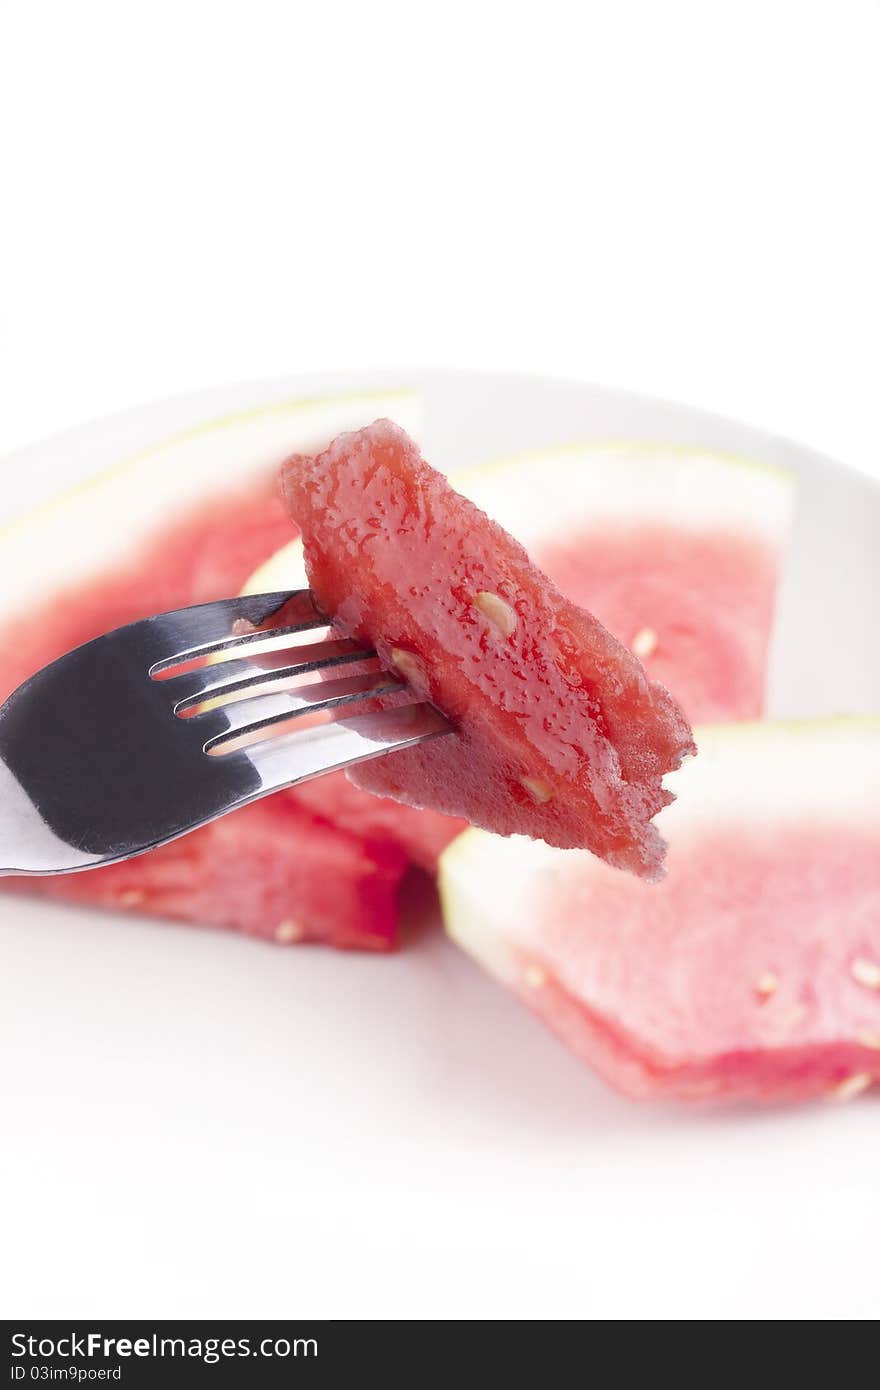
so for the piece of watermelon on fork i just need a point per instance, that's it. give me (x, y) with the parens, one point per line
(558, 733)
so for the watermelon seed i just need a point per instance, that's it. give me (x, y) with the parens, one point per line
(537, 789)
(865, 972)
(851, 1086)
(289, 931)
(132, 897)
(869, 1039)
(534, 976)
(766, 984)
(499, 613)
(644, 643)
(406, 663)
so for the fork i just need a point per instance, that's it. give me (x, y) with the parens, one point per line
(157, 728)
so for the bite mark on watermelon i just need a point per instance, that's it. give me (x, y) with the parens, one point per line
(749, 972)
(558, 732)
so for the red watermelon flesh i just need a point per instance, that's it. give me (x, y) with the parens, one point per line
(297, 858)
(676, 579)
(421, 834)
(678, 552)
(752, 971)
(558, 732)
(201, 556)
(271, 870)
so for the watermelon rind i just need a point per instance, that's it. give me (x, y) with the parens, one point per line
(753, 784)
(92, 527)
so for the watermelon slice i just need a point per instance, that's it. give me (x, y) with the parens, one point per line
(142, 538)
(752, 971)
(271, 869)
(558, 732)
(677, 551)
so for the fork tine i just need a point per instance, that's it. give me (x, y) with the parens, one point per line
(260, 712)
(193, 687)
(237, 641)
(329, 747)
(170, 639)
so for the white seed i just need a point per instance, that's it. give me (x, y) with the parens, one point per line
(869, 1038)
(644, 643)
(767, 984)
(796, 1015)
(534, 976)
(407, 664)
(851, 1086)
(539, 791)
(288, 931)
(865, 972)
(499, 613)
(132, 897)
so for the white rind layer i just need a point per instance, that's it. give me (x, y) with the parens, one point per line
(544, 496)
(89, 529)
(286, 569)
(823, 772)
(547, 496)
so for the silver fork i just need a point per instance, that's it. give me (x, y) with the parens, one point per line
(111, 750)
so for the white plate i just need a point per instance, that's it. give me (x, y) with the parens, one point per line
(197, 1124)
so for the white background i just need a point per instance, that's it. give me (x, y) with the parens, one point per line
(678, 198)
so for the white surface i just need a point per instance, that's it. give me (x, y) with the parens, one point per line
(680, 198)
(196, 1124)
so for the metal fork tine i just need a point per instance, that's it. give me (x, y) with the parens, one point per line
(318, 656)
(295, 757)
(260, 712)
(170, 639)
(236, 642)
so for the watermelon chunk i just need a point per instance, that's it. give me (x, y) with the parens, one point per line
(271, 870)
(558, 732)
(752, 971)
(142, 538)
